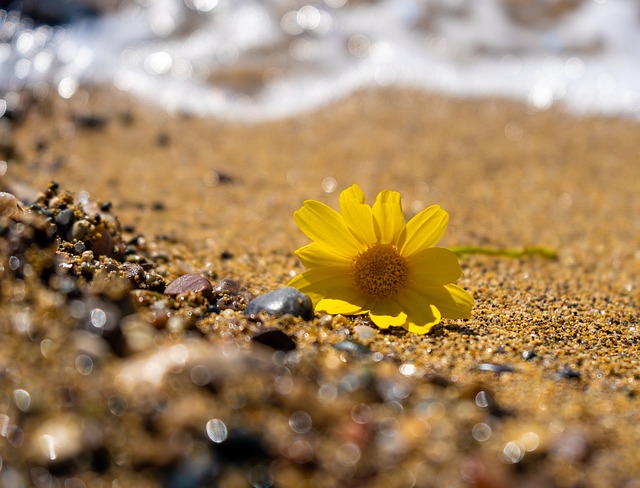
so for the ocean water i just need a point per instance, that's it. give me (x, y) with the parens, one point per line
(256, 60)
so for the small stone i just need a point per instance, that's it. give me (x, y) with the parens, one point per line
(275, 339)
(365, 332)
(65, 218)
(568, 374)
(134, 272)
(232, 295)
(189, 282)
(103, 242)
(80, 230)
(529, 354)
(284, 301)
(79, 247)
(227, 286)
(352, 347)
(9, 205)
(495, 368)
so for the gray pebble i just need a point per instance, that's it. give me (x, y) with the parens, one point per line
(495, 368)
(65, 218)
(352, 347)
(286, 300)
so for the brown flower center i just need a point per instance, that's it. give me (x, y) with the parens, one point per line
(380, 271)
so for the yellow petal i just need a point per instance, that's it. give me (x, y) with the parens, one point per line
(388, 313)
(330, 284)
(325, 226)
(388, 217)
(357, 215)
(422, 314)
(354, 192)
(433, 266)
(425, 328)
(452, 301)
(315, 255)
(425, 229)
(336, 306)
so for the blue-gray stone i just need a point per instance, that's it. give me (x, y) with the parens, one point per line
(281, 302)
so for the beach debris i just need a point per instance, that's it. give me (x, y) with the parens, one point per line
(284, 301)
(191, 282)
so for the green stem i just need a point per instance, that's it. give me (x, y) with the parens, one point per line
(544, 252)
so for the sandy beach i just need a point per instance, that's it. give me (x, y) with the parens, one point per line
(538, 388)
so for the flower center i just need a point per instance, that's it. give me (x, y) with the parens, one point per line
(380, 271)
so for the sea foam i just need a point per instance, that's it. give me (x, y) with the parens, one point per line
(256, 60)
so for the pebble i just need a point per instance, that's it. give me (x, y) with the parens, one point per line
(65, 218)
(568, 374)
(79, 230)
(284, 301)
(275, 339)
(227, 286)
(134, 272)
(495, 368)
(9, 205)
(231, 294)
(189, 282)
(352, 347)
(365, 332)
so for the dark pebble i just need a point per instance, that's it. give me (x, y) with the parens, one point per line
(79, 247)
(568, 374)
(495, 368)
(65, 218)
(189, 282)
(90, 121)
(284, 301)
(231, 295)
(529, 355)
(227, 286)
(275, 339)
(240, 447)
(134, 272)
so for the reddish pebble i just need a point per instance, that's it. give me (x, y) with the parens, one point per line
(189, 282)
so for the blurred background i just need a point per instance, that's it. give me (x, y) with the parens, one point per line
(256, 60)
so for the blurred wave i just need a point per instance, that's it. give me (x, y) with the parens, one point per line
(254, 60)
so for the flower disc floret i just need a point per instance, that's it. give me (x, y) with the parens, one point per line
(380, 271)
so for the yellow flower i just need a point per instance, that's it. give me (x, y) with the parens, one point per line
(369, 260)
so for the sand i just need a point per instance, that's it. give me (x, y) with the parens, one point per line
(539, 387)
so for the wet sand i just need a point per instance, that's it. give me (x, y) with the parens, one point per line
(539, 387)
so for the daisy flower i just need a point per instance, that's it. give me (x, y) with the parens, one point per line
(367, 259)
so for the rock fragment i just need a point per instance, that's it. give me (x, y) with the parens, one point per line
(191, 282)
(284, 301)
